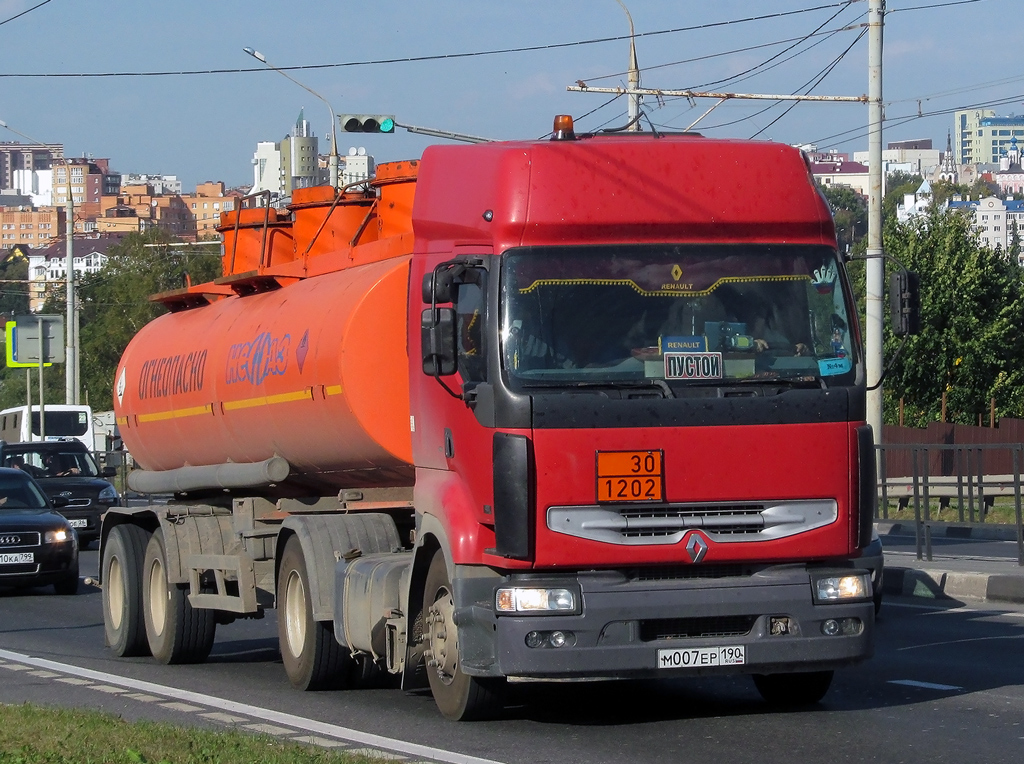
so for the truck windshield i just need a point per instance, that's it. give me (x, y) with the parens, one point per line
(687, 315)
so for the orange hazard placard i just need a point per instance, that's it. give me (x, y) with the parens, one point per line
(630, 476)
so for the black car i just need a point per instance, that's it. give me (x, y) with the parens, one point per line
(66, 471)
(37, 545)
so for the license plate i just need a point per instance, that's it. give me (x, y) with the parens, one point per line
(17, 558)
(701, 657)
(82, 523)
(630, 476)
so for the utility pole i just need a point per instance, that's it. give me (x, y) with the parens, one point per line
(875, 276)
(634, 75)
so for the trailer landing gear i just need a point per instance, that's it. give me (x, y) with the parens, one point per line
(459, 697)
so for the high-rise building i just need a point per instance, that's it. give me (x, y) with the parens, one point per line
(982, 138)
(25, 156)
(282, 167)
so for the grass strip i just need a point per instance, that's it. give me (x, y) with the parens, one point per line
(31, 734)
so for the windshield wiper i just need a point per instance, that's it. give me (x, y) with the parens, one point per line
(807, 381)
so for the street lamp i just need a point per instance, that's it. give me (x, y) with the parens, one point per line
(71, 336)
(332, 162)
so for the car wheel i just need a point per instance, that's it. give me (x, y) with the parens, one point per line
(176, 632)
(68, 585)
(123, 625)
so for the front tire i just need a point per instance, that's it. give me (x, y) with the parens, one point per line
(459, 696)
(123, 626)
(793, 690)
(176, 632)
(312, 657)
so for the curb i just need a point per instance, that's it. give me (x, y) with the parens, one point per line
(986, 532)
(947, 584)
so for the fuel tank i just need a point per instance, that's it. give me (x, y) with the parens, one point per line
(316, 372)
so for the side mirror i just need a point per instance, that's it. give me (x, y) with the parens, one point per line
(437, 286)
(108, 472)
(905, 303)
(437, 331)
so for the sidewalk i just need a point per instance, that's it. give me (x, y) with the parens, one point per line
(947, 576)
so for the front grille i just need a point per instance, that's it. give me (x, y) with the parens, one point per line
(18, 570)
(693, 628)
(18, 540)
(682, 573)
(79, 502)
(722, 522)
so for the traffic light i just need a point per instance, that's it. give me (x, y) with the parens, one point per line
(367, 123)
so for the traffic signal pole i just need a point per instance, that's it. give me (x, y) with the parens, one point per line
(875, 266)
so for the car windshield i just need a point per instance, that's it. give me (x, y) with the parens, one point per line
(18, 492)
(685, 315)
(52, 462)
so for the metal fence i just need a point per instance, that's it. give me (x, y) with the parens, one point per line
(919, 472)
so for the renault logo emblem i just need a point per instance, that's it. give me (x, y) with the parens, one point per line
(696, 547)
(10, 540)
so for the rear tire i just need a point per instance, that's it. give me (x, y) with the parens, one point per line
(459, 696)
(312, 657)
(123, 625)
(176, 632)
(793, 690)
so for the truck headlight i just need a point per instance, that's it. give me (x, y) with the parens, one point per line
(515, 599)
(842, 588)
(108, 495)
(55, 537)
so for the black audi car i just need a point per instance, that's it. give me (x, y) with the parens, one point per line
(37, 545)
(67, 473)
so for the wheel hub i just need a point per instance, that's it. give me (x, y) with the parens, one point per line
(442, 652)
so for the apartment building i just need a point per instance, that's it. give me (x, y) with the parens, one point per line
(30, 226)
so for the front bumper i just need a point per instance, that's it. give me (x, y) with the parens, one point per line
(624, 622)
(52, 563)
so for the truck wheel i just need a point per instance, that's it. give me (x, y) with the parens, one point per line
(312, 657)
(176, 632)
(459, 697)
(792, 690)
(123, 626)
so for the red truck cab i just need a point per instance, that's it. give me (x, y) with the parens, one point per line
(638, 406)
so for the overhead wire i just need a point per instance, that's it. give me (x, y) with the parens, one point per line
(24, 12)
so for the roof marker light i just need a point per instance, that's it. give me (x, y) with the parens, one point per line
(563, 128)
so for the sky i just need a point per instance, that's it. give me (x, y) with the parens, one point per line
(939, 55)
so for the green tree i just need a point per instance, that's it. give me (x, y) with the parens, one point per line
(898, 185)
(13, 285)
(972, 325)
(114, 302)
(850, 212)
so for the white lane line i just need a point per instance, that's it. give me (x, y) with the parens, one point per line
(926, 685)
(938, 609)
(299, 722)
(269, 729)
(321, 742)
(188, 708)
(217, 716)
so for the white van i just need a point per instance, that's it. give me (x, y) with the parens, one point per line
(62, 421)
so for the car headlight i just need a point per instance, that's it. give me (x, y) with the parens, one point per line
(108, 494)
(841, 588)
(56, 537)
(534, 599)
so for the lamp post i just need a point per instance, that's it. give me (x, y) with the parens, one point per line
(332, 161)
(70, 333)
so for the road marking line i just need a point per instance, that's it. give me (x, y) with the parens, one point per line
(44, 674)
(109, 689)
(186, 707)
(142, 696)
(926, 685)
(374, 753)
(16, 667)
(74, 680)
(320, 742)
(217, 716)
(269, 729)
(266, 714)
